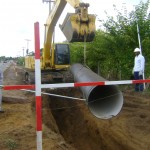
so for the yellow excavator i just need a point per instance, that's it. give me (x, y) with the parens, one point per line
(55, 58)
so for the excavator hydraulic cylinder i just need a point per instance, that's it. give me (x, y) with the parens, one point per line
(104, 101)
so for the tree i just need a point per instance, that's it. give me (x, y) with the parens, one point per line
(123, 32)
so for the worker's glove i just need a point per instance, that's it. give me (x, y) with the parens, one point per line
(140, 73)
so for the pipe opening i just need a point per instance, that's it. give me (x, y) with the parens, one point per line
(105, 101)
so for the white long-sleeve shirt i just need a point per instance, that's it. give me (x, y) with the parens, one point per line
(139, 63)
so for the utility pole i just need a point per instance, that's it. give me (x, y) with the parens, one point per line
(27, 50)
(50, 2)
(50, 8)
(23, 50)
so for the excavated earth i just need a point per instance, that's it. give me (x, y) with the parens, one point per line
(67, 123)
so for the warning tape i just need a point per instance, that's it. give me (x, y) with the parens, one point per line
(77, 84)
(17, 87)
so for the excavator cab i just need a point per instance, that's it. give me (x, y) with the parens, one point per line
(62, 54)
(79, 26)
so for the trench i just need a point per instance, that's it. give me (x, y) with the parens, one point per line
(71, 122)
(75, 122)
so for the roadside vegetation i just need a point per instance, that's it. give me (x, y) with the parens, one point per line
(18, 60)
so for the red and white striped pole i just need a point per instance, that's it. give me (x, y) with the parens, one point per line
(38, 87)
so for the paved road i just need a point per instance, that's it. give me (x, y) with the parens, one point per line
(4, 66)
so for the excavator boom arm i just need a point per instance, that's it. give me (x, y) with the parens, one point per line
(74, 3)
(55, 14)
(76, 28)
(50, 25)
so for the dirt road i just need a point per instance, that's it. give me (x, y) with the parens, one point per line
(68, 124)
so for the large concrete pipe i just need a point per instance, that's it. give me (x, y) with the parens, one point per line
(103, 101)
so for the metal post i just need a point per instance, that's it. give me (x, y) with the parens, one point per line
(23, 51)
(139, 40)
(85, 50)
(27, 44)
(138, 32)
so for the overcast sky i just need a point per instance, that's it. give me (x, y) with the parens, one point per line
(17, 18)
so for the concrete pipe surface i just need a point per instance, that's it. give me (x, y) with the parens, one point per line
(104, 101)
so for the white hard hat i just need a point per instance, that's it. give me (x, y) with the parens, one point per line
(136, 50)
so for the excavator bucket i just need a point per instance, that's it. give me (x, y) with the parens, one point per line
(76, 30)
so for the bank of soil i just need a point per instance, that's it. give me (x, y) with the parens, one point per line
(68, 124)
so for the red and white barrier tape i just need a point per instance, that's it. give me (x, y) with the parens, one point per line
(77, 84)
(17, 87)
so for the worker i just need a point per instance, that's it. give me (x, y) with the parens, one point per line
(138, 70)
(1, 82)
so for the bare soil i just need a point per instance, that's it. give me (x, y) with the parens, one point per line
(68, 124)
